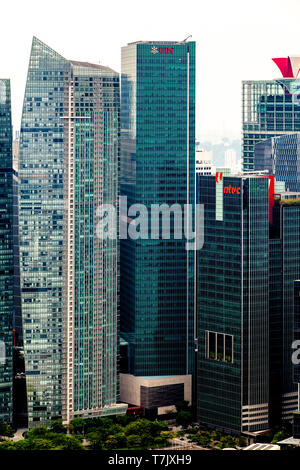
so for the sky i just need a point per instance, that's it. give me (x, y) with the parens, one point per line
(236, 41)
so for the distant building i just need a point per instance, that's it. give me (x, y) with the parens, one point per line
(280, 156)
(204, 162)
(270, 108)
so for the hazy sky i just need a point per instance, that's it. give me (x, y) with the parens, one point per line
(236, 40)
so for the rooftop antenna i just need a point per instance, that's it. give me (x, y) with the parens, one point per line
(187, 38)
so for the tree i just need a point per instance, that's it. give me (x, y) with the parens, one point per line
(58, 427)
(139, 427)
(182, 406)
(156, 427)
(184, 418)
(95, 439)
(279, 436)
(242, 442)
(134, 441)
(111, 442)
(6, 430)
(227, 441)
(78, 425)
(39, 431)
(203, 440)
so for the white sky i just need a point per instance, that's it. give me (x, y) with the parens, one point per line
(236, 40)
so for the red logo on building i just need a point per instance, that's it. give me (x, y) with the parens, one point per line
(232, 190)
(166, 50)
(217, 176)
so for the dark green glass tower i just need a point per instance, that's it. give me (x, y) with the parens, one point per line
(6, 254)
(158, 167)
(233, 304)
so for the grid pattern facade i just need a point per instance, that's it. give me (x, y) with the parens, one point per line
(280, 156)
(68, 165)
(269, 108)
(158, 167)
(232, 305)
(6, 254)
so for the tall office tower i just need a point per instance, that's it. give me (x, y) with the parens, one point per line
(68, 162)
(6, 254)
(246, 272)
(157, 167)
(232, 297)
(270, 108)
(279, 156)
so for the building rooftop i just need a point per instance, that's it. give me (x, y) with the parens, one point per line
(158, 42)
(77, 63)
(290, 441)
(261, 446)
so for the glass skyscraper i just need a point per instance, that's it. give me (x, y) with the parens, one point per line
(232, 304)
(6, 254)
(68, 164)
(245, 280)
(270, 108)
(157, 167)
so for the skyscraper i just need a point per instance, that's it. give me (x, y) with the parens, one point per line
(280, 156)
(157, 167)
(6, 254)
(232, 303)
(245, 280)
(270, 108)
(68, 161)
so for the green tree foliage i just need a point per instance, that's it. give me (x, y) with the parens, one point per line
(279, 436)
(40, 438)
(6, 430)
(184, 418)
(78, 425)
(58, 427)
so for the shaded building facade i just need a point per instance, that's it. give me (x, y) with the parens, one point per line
(6, 255)
(245, 275)
(279, 156)
(233, 304)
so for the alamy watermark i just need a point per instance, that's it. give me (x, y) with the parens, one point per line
(139, 222)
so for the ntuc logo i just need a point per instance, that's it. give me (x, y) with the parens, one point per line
(232, 190)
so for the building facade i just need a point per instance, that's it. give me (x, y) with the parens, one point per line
(269, 108)
(232, 304)
(68, 163)
(245, 275)
(6, 255)
(158, 167)
(204, 162)
(279, 156)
